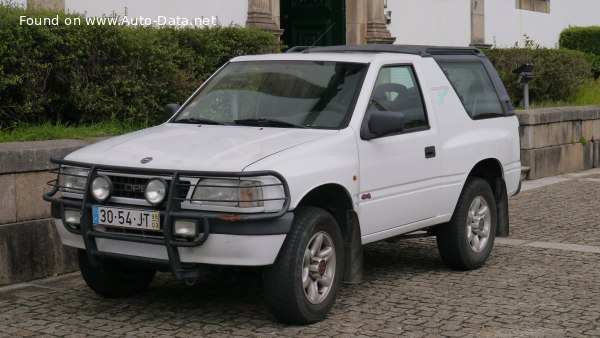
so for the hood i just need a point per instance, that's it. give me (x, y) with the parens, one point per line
(193, 147)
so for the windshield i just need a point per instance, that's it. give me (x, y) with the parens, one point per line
(292, 94)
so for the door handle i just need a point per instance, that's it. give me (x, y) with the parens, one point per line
(429, 152)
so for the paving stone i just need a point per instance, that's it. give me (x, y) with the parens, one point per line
(567, 212)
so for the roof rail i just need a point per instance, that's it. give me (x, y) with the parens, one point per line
(403, 49)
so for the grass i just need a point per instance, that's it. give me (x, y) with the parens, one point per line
(548, 104)
(50, 131)
(587, 95)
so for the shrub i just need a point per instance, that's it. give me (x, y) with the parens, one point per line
(558, 72)
(584, 39)
(81, 74)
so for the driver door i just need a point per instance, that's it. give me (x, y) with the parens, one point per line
(400, 173)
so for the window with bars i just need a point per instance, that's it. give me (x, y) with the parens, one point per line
(542, 6)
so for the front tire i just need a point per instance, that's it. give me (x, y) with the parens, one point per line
(113, 279)
(465, 243)
(302, 285)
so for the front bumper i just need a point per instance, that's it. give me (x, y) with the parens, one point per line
(220, 249)
(224, 238)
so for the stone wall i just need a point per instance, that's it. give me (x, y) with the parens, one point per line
(553, 141)
(29, 244)
(559, 140)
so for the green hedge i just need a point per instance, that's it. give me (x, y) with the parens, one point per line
(585, 39)
(558, 72)
(81, 74)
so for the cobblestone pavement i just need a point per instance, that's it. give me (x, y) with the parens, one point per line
(543, 282)
(546, 213)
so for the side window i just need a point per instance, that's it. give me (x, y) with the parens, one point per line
(396, 91)
(474, 87)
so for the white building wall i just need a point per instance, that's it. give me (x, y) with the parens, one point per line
(505, 25)
(226, 11)
(432, 22)
(20, 2)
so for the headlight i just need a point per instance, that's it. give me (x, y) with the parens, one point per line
(73, 179)
(229, 193)
(102, 188)
(156, 191)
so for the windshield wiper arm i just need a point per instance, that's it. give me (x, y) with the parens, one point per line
(198, 120)
(268, 122)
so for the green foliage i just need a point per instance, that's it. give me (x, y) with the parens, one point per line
(585, 39)
(84, 74)
(528, 42)
(588, 94)
(559, 73)
(55, 131)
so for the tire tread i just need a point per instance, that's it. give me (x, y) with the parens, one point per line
(281, 295)
(451, 240)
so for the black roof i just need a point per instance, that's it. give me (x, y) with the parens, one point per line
(403, 49)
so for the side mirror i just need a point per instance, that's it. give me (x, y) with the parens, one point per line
(170, 110)
(381, 123)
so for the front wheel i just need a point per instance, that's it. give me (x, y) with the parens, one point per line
(466, 242)
(113, 279)
(302, 284)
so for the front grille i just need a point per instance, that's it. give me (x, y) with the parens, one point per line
(133, 187)
(129, 187)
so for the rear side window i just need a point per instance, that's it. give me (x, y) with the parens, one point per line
(474, 87)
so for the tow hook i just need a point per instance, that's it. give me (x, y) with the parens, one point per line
(191, 281)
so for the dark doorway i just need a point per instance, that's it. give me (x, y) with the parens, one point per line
(303, 21)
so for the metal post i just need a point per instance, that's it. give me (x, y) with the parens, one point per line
(526, 95)
(525, 72)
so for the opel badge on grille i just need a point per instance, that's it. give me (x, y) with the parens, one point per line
(146, 160)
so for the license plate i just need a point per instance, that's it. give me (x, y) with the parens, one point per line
(126, 218)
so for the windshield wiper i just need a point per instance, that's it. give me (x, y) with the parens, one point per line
(268, 122)
(198, 120)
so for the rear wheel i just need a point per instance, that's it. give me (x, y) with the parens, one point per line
(466, 242)
(114, 279)
(302, 285)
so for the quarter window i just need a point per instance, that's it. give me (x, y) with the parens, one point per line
(396, 91)
(474, 88)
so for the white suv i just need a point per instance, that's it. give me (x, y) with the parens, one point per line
(294, 161)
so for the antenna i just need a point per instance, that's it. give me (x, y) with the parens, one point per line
(320, 37)
(306, 49)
